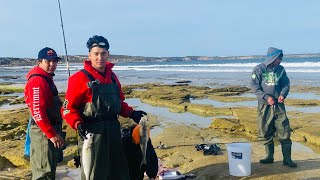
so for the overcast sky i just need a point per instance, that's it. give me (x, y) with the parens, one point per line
(161, 28)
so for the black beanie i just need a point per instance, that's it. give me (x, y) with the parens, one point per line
(98, 41)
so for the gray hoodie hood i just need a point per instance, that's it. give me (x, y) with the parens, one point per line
(270, 82)
(272, 54)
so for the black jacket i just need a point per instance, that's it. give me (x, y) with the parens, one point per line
(134, 157)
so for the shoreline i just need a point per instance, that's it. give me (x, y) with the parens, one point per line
(23, 61)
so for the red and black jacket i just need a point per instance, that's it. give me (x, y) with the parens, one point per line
(78, 93)
(39, 98)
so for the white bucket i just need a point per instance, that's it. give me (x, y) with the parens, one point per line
(239, 158)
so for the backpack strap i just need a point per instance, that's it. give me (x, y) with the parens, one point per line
(96, 81)
(113, 78)
(53, 88)
(91, 78)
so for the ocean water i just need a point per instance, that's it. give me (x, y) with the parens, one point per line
(301, 71)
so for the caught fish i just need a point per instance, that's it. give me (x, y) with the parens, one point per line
(144, 137)
(88, 155)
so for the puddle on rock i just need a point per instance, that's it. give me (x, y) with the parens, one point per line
(19, 95)
(220, 104)
(7, 106)
(185, 118)
(254, 103)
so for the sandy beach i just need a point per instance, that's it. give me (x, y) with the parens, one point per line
(180, 124)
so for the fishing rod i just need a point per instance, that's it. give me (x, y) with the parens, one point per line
(76, 156)
(64, 39)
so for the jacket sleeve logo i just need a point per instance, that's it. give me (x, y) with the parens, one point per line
(36, 104)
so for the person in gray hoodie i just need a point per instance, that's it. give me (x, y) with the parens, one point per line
(271, 85)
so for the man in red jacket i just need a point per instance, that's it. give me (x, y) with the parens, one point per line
(41, 96)
(94, 100)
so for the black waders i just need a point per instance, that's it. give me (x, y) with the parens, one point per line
(286, 152)
(269, 151)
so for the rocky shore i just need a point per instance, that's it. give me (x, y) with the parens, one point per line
(305, 126)
(229, 124)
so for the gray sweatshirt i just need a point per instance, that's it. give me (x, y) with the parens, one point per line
(266, 82)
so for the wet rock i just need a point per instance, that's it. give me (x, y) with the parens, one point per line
(305, 127)
(314, 89)
(239, 89)
(126, 90)
(225, 123)
(6, 83)
(9, 77)
(17, 160)
(71, 164)
(302, 102)
(13, 134)
(5, 163)
(208, 110)
(227, 93)
(183, 82)
(17, 101)
(3, 100)
(10, 91)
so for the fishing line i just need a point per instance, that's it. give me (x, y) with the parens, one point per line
(64, 39)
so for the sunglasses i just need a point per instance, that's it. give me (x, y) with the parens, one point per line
(100, 44)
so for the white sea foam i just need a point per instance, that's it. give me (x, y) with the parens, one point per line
(122, 68)
(302, 64)
(197, 65)
(303, 67)
(301, 71)
(17, 67)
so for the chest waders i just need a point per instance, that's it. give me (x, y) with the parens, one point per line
(273, 121)
(44, 156)
(101, 118)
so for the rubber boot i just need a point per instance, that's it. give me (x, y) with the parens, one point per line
(286, 152)
(269, 152)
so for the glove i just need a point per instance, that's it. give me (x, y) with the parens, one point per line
(137, 115)
(77, 162)
(81, 131)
